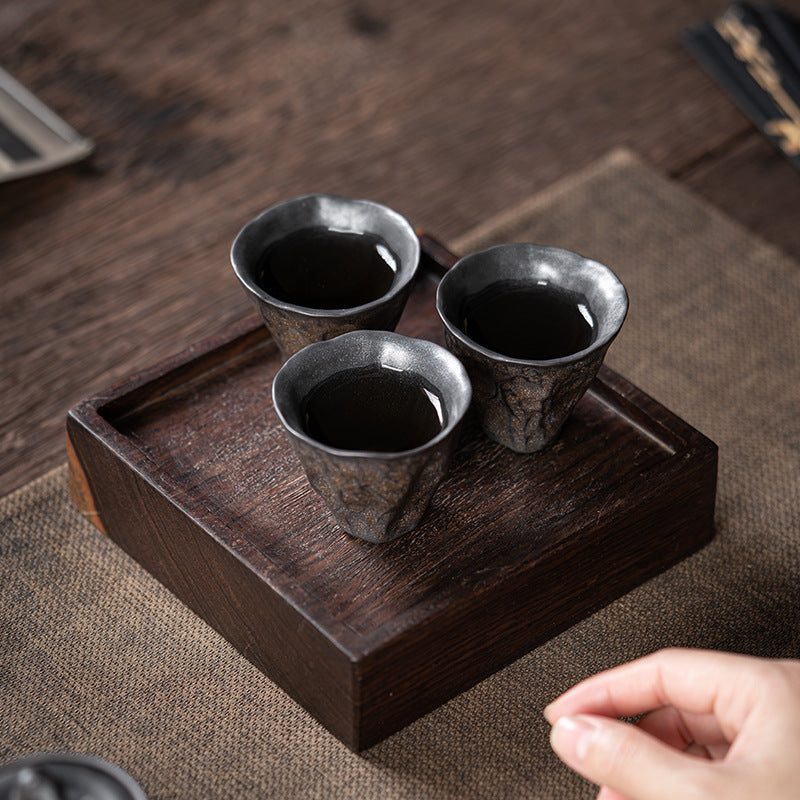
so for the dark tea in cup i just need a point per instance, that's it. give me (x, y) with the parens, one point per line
(374, 409)
(325, 268)
(535, 322)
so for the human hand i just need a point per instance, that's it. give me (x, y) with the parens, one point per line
(715, 725)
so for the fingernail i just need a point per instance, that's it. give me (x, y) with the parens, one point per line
(573, 735)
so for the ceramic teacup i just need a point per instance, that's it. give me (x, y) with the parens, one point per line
(320, 265)
(48, 776)
(532, 325)
(373, 417)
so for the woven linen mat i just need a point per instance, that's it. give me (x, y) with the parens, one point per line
(97, 657)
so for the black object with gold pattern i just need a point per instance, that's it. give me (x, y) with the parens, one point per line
(753, 52)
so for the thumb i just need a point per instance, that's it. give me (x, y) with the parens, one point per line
(631, 762)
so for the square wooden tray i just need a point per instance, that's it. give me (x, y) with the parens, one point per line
(186, 467)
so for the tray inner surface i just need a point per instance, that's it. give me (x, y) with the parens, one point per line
(219, 438)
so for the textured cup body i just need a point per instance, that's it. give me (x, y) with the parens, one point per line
(371, 498)
(524, 407)
(293, 329)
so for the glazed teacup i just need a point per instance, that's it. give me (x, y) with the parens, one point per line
(320, 265)
(373, 417)
(532, 325)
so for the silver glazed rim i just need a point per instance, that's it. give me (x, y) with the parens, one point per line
(605, 293)
(321, 360)
(327, 210)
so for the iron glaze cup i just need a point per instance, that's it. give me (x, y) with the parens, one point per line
(295, 320)
(532, 325)
(375, 389)
(49, 776)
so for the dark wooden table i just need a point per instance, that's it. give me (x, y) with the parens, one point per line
(205, 112)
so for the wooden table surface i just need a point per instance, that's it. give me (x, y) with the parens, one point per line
(206, 111)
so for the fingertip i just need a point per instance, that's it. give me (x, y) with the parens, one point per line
(623, 758)
(571, 737)
(557, 708)
(607, 793)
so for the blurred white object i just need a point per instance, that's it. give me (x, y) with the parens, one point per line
(32, 137)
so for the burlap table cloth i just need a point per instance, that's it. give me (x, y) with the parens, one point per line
(97, 657)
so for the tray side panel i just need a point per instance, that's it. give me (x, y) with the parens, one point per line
(667, 516)
(216, 583)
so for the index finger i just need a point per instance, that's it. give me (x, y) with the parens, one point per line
(697, 681)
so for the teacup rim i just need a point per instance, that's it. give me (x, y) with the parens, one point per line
(597, 344)
(396, 288)
(452, 421)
